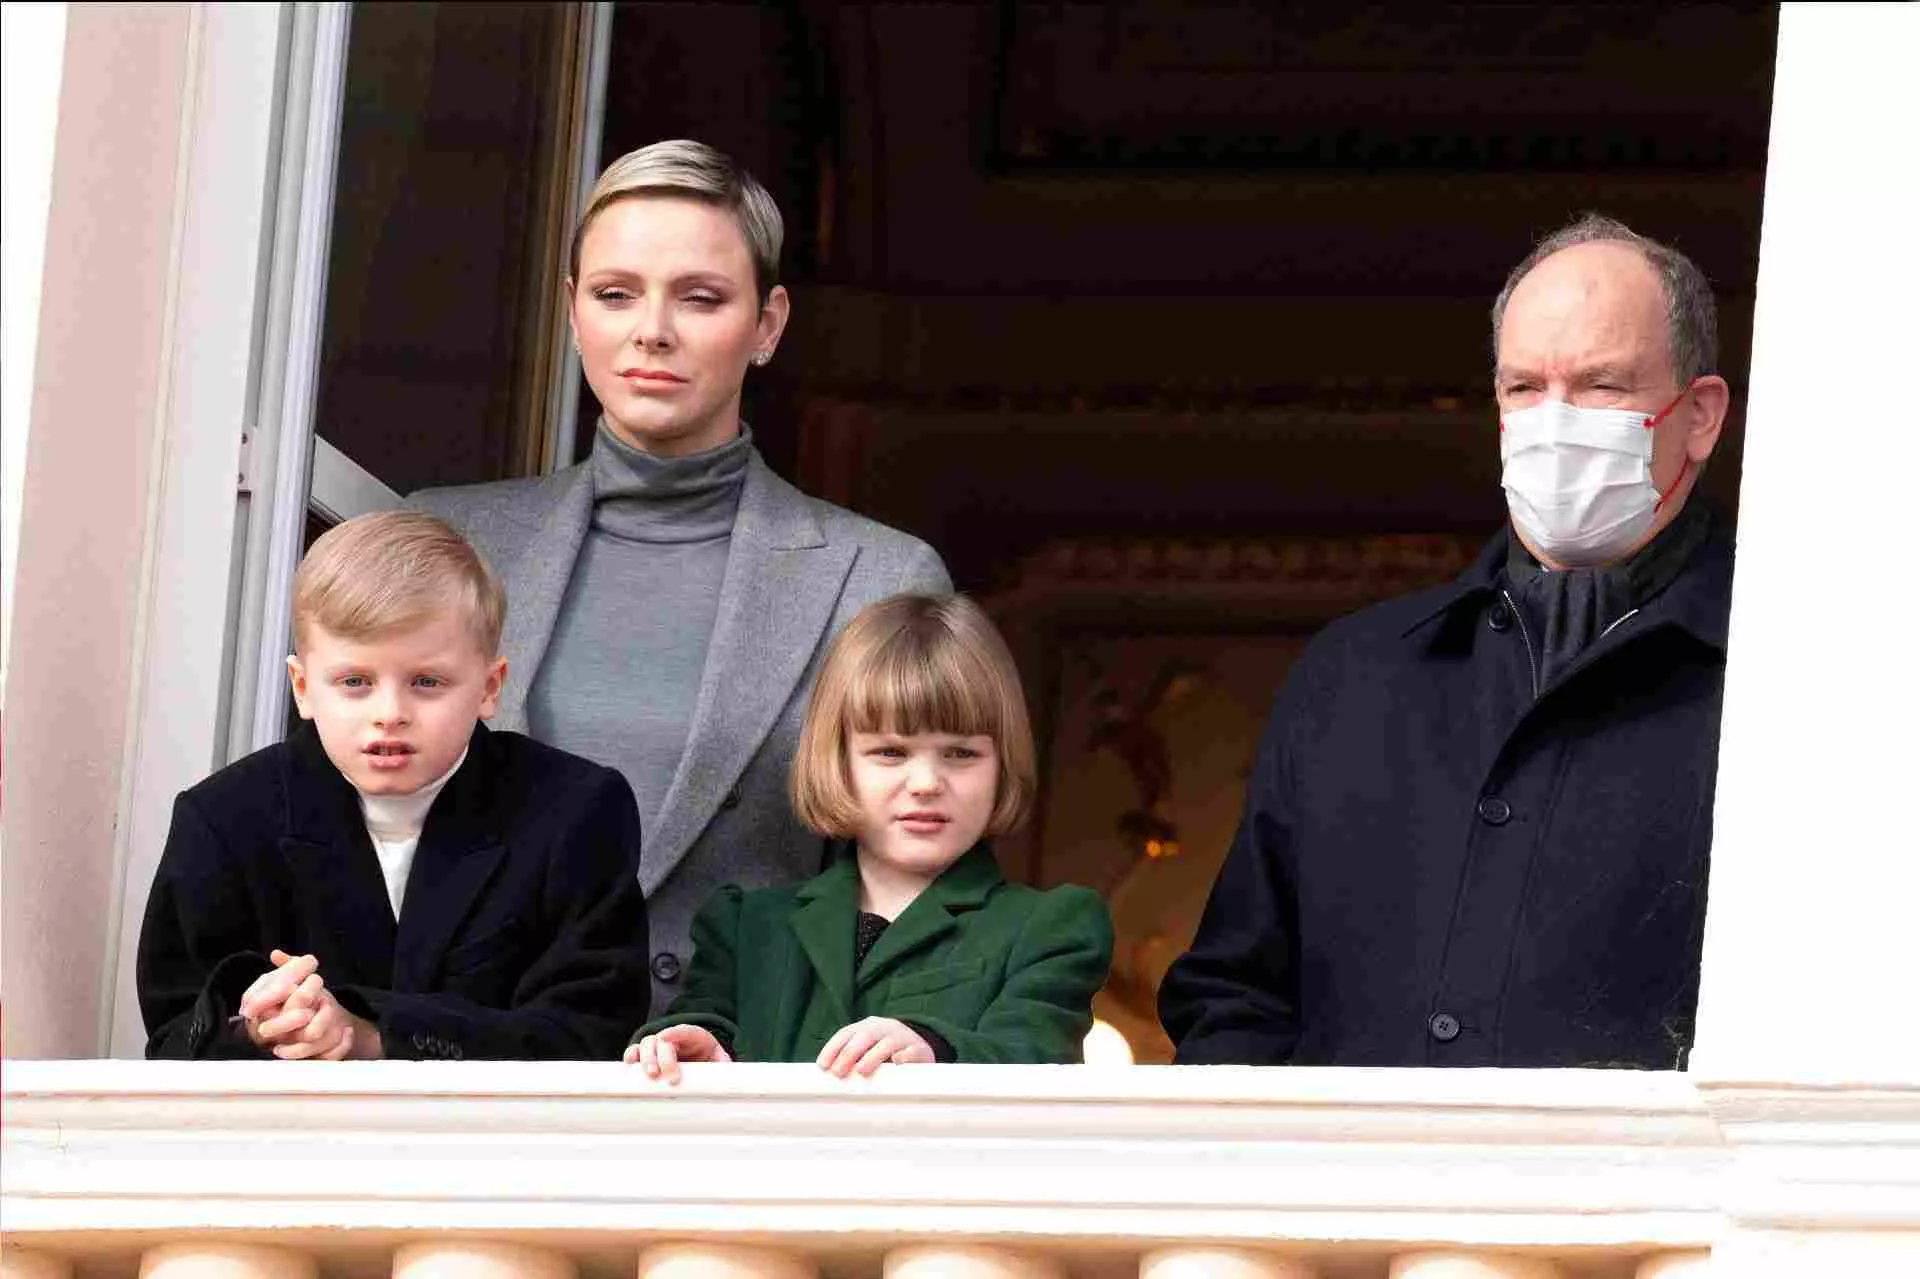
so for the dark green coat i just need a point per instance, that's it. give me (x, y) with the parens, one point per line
(1003, 972)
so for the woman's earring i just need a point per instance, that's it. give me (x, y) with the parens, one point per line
(762, 358)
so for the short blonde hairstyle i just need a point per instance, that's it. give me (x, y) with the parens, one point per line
(391, 570)
(913, 664)
(692, 171)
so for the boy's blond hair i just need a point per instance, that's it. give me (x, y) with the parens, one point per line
(392, 570)
(913, 664)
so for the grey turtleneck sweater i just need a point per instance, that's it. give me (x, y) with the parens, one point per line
(623, 668)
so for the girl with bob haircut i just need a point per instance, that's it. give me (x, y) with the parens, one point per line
(911, 946)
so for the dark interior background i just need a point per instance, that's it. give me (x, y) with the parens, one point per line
(1196, 270)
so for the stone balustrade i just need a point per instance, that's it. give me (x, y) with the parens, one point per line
(519, 1171)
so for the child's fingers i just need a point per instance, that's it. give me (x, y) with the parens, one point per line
(321, 1036)
(909, 1046)
(694, 1043)
(344, 1048)
(284, 1023)
(853, 1050)
(278, 956)
(264, 996)
(270, 990)
(329, 1018)
(833, 1046)
(310, 993)
(877, 1056)
(666, 1060)
(632, 1055)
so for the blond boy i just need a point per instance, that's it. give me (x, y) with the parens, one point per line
(394, 879)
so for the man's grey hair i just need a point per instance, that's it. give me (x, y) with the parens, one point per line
(1693, 331)
(692, 171)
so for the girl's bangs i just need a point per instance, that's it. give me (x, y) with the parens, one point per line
(917, 688)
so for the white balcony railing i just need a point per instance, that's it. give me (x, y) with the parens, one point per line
(485, 1169)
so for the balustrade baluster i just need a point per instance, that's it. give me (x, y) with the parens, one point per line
(24, 1263)
(210, 1259)
(723, 1261)
(1222, 1263)
(968, 1261)
(1456, 1264)
(480, 1259)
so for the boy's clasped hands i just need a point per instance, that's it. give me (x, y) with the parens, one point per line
(861, 1047)
(290, 1011)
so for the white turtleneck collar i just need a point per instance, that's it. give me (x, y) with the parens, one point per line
(394, 823)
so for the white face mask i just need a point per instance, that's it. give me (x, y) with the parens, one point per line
(1579, 481)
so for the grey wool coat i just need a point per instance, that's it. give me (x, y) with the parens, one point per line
(798, 569)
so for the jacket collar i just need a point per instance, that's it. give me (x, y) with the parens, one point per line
(539, 583)
(1479, 580)
(1696, 601)
(781, 588)
(825, 907)
(330, 853)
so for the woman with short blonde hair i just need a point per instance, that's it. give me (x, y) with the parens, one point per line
(671, 593)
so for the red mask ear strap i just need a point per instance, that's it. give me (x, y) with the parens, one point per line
(1654, 421)
(1672, 404)
(1668, 491)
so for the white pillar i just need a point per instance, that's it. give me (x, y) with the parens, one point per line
(723, 1261)
(1466, 1264)
(1805, 984)
(968, 1261)
(480, 1259)
(23, 1263)
(206, 1259)
(1812, 898)
(1221, 1263)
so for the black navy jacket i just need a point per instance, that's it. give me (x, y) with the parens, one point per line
(1436, 866)
(522, 932)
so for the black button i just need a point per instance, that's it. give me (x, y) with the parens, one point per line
(1444, 1027)
(732, 800)
(1494, 811)
(666, 966)
(420, 1041)
(1500, 617)
(457, 1053)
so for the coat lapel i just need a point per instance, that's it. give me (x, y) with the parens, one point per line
(537, 584)
(782, 584)
(332, 862)
(963, 886)
(458, 852)
(822, 920)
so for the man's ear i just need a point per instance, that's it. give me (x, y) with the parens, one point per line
(1710, 401)
(496, 679)
(297, 677)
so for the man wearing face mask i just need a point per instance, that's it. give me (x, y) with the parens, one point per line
(1476, 833)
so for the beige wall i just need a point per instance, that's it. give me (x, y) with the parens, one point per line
(85, 519)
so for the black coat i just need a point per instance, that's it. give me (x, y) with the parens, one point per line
(522, 933)
(1435, 867)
